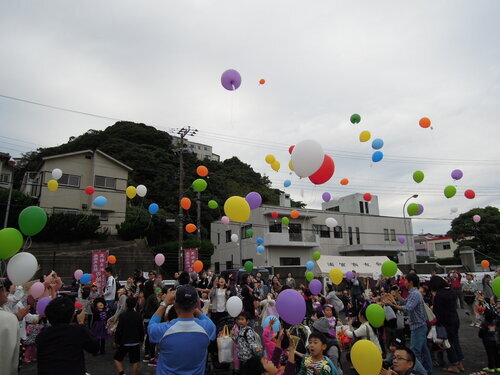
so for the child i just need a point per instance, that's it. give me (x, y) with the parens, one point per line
(487, 334)
(101, 314)
(206, 303)
(246, 340)
(33, 328)
(331, 315)
(316, 363)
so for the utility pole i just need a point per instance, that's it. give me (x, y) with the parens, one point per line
(7, 209)
(198, 216)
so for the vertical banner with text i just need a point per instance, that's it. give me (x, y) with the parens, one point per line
(99, 263)
(190, 256)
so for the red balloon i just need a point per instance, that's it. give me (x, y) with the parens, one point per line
(367, 197)
(469, 194)
(92, 277)
(89, 190)
(324, 173)
(78, 305)
(290, 149)
(274, 214)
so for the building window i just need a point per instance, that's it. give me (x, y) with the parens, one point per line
(275, 227)
(358, 236)
(4, 178)
(105, 182)
(295, 232)
(229, 264)
(361, 207)
(103, 215)
(386, 234)
(334, 209)
(393, 235)
(199, 148)
(191, 146)
(218, 238)
(322, 230)
(67, 211)
(337, 232)
(366, 208)
(244, 230)
(217, 267)
(205, 148)
(69, 180)
(442, 246)
(349, 230)
(228, 236)
(289, 261)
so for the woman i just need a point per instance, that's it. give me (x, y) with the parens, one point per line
(487, 289)
(52, 284)
(248, 298)
(332, 299)
(268, 307)
(290, 281)
(469, 292)
(218, 298)
(276, 285)
(364, 331)
(445, 309)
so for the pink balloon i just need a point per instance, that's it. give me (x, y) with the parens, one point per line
(315, 287)
(224, 220)
(37, 290)
(159, 259)
(476, 218)
(78, 274)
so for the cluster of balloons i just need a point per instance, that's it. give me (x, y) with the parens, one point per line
(275, 164)
(52, 184)
(377, 144)
(260, 246)
(310, 266)
(132, 191)
(415, 209)
(309, 160)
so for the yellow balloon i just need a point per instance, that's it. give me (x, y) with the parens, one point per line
(237, 209)
(270, 159)
(131, 192)
(290, 165)
(366, 357)
(276, 165)
(52, 185)
(336, 276)
(364, 136)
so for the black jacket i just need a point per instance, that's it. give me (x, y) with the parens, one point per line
(151, 306)
(130, 329)
(445, 307)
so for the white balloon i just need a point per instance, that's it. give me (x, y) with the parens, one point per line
(234, 305)
(453, 210)
(142, 191)
(21, 268)
(331, 222)
(234, 237)
(307, 157)
(56, 174)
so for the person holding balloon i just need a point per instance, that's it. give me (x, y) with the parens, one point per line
(364, 331)
(218, 297)
(52, 284)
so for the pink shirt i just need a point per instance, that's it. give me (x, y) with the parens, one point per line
(52, 285)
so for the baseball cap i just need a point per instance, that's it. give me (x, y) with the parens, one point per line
(186, 296)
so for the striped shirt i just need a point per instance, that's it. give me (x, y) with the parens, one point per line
(414, 308)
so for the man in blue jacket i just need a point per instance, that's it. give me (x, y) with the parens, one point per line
(183, 342)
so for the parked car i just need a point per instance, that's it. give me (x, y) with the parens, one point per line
(237, 274)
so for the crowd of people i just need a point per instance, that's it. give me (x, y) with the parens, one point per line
(175, 328)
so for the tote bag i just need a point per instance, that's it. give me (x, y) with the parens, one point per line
(225, 346)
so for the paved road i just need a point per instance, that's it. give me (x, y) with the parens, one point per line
(475, 357)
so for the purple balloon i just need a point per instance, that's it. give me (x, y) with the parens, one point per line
(349, 275)
(420, 209)
(326, 196)
(401, 239)
(315, 287)
(41, 305)
(254, 200)
(291, 306)
(230, 79)
(457, 174)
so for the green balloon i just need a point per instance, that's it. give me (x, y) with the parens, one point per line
(355, 118)
(285, 221)
(389, 268)
(418, 176)
(11, 240)
(248, 266)
(250, 233)
(450, 191)
(375, 315)
(213, 204)
(32, 220)
(309, 276)
(316, 255)
(199, 184)
(496, 286)
(412, 209)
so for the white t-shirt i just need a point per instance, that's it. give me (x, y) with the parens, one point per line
(110, 291)
(221, 299)
(9, 344)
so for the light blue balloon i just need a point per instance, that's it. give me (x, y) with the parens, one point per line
(153, 208)
(260, 249)
(377, 144)
(85, 279)
(100, 201)
(260, 240)
(310, 265)
(377, 156)
(276, 324)
(287, 183)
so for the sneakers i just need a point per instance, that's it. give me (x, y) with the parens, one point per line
(152, 363)
(146, 358)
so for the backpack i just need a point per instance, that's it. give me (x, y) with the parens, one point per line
(258, 340)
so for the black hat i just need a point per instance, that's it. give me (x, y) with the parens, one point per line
(186, 295)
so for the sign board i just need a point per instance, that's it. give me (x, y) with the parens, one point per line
(366, 266)
(99, 263)
(190, 256)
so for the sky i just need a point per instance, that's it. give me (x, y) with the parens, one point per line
(160, 62)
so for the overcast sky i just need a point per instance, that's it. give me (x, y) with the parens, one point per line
(159, 62)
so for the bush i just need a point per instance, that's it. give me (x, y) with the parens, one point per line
(68, 228)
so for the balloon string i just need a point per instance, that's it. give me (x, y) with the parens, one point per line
(27, 244)
(3, 268)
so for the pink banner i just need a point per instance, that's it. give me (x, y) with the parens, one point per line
(190, 256)
(99, 263)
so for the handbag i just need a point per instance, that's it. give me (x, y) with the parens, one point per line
(430, 317)
(225, 347)
(400, 320)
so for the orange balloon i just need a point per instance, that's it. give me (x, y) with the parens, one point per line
(202, 171)
(424, 122)
(344, 181)
(112, 259)
(198, 266)
(190, 228)
(294, 214)
(262, 81)
(485, 264)
(186, 203)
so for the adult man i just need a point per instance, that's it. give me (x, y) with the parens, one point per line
(402, 363)
(9, 332)
(183, 342)
(455, 279)
(151, 284)
(413, 306)
(110, 289)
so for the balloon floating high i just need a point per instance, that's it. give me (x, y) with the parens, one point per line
(389, 268)
(131, 192)
(330, 222)
(287, 183)
(485, 264)
(32, 220)
(111, 259)
(234, 237)
(324, 173)
(310, 265)
(212, 204)
(237, 209)
(260, 249)
(307, 157)
(450, 191)
(401, 239)
(420, 209)
(276, 165)
(89, 190)
(469, 194)
(270, 159)
(230, 80)
(186, 203)
(326, 196)
(142, 191)
(153, 208)
(457, 174)
(355, 118)
(52, 185)
(285, 221)
(198, 266)
(377, 144)
(290, 149)
(375, 315)
(190, 228)
(249, 233)
(254, 200)
(224, 220)
(364, 136)
(424, 122)
(159, 259)
(274, 214)
(202, 171)
(418, 176)
(259, 240)
(56, 174)
(377, 156)
(344, 181)
(290, 166)
(412, 209)
(199, 185)
(261, 82)
(316, 255)
(367, 197)
(248, 266)
(476, 218)
(100, 201)
(336, 276)
(11, 241)
(309, 276)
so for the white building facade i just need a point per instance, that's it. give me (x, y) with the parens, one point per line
(202, 151)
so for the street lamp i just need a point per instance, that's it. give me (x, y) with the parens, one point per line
(404, 221)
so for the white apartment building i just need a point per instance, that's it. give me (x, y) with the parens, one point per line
(203, 152)
(361, 231)
(434, 246)
(6, 170)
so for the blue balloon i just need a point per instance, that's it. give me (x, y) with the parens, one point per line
(153, 208)
(260, 240)
(276, 324)
(260, 249)
(310, 265)
(377, 156)
(85, 279)
(100, 201)
(377, 144)
(287, 183)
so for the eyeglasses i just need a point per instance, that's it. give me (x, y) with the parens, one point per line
(401, 359)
